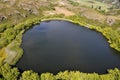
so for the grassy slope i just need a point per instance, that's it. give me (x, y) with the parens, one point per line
(95, 4)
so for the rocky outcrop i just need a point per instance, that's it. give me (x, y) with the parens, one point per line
(110, 21)
(2, 18)
(4, 0)
(29, 6)
(12, 2)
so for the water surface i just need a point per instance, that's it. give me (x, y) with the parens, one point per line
(54, 46)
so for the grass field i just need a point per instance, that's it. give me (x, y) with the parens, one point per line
(94, 4)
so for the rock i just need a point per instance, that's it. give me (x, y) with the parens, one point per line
(35, 12)
(10, 14)
(12, 2)
(23, 15)
(2, 18)
(61, 3)
(17, 12)
(4, 0)
(110, 21)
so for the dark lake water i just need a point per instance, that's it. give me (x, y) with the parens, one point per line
(54, 46)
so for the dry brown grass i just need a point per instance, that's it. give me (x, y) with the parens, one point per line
(59, 10)
(64, 11)
(3, 54)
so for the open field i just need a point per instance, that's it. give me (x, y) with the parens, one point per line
(94, 4)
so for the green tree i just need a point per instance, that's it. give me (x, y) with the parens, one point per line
(29, 75)
(47, 76)
(8, 72)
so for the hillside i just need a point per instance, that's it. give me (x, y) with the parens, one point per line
(17, 10)
(115, 3)
(17, 16)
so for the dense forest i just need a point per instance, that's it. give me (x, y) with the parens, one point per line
(16, 18)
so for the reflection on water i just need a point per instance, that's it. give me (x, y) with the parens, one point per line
(55, 46)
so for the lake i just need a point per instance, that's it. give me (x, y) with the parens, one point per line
(56, 45)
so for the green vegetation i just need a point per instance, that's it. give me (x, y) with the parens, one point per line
(73, 3)
(11, 38)
(3, 54)
(11, 73)
(18, 18)
(112, 35)
(13, 44)
(93, 4)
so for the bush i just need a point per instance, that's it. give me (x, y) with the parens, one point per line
(9, 73)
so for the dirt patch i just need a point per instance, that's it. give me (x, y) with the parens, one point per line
(59, 10)
(64, 11)
(118, 29)
(11, 55)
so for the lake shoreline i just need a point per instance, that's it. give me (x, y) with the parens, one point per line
(96, 28)
(38, 20)
(54, 38)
